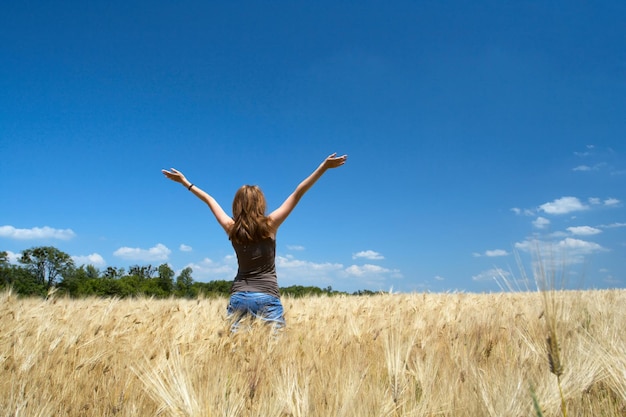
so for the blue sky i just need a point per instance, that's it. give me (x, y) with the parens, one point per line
(473, 129)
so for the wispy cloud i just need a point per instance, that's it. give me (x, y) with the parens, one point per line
(608, 202)
(492, 253)
(586, 153)
(158, 253)
(368, 254)
(587, 168)
(496, 252)
(185, 248)
(491, 275)
(612, 225)
(360, 270)
(295, 247)
(583, 230)
(36, 233)
(524, 212)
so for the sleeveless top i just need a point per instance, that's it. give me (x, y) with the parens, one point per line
(257, 267)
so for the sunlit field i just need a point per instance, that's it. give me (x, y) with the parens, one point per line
(384, 355)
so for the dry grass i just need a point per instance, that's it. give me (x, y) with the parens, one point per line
(387, 355)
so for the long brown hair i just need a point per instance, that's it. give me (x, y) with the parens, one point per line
(251, 224)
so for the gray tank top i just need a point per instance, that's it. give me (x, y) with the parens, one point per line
(257, 267)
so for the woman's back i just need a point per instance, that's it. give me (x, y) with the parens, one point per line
(257, 267)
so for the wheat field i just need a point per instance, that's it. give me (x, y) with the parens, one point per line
(453, 354)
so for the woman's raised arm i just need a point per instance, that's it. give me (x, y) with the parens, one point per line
(278, 216)
(220, 215)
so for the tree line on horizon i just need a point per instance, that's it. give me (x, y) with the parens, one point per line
(44, 269)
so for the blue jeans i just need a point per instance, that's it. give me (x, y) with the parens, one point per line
(256, 304)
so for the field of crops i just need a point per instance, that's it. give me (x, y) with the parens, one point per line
(453, 354)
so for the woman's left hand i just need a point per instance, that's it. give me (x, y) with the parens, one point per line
(174, 175)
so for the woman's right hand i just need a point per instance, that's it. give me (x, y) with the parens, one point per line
(334, 161)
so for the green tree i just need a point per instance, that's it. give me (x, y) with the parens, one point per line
(166, 278)
(129, 286)
(5, 276)
(184, 283)
(24, 282)
(47, 264)
(92, 272)
(113, 273)
(143, 272)
(217, 287)
(73, 282)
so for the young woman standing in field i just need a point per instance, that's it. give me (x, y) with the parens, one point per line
(253, 236)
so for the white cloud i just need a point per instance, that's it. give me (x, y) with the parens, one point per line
(586, 168)
(566, 251)
(580, 246)
(185, 248)
(36, 233)
(289, 264)
(496, 252)
(295, 247)
(541, 222)
(368, 254)
(93, 259)
(584, 230)
(371, 276)
(611, 280)
(525, 212)
(294, 271)
(156, 253)
(439, 278)
(563, 205)
(611, 202)
(586, 153)
(491, 275)
(209, 270)
(360, 270)
(613, 225)
(13, 257)
(491, 253)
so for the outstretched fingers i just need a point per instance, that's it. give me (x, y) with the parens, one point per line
(173, 174)
(334, 161)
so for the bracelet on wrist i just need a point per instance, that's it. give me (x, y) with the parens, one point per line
(189, 188)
